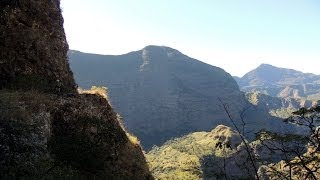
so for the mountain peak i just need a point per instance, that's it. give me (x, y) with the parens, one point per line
(164, 87)
(155, 47)
(263, 65)
(275, 81)
(161, 50)
(270, 68)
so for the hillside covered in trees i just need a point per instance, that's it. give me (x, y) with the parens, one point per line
(225, 153)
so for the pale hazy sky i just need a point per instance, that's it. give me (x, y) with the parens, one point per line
(236, 35)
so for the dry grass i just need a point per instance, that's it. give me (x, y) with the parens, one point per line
(101, 91)
(133, 139)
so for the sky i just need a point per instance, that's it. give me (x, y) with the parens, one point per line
(236, 35)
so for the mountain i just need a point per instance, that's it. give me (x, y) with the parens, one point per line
(281, 82)
(162, 93)
(47, 129)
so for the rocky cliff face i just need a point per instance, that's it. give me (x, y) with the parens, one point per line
(47, 129)
(276, 106)
(33, 47)
(57, 137)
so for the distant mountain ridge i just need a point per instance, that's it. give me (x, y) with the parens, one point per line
(162, 93)
(281, 82)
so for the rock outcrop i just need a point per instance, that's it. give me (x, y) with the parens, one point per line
(276, 106)
(47, 129)
(57, 137)
(33, 47)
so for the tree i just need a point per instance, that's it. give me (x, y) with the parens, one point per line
(291, 156)
(251, 158)
(301, 154)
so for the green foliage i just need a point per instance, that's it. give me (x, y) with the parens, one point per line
(268, 135)
(181, 158)
(300, 155)
(282, 112)
(253, 98)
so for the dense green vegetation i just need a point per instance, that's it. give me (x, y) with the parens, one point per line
(181, 158)
(221, 154)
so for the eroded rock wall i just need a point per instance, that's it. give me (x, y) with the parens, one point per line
(33, 47)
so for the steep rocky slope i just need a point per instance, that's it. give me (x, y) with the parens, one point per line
(276, 106)
(47, 129)
(160, 92)
(281, 82)
(50, 136)
(27, 58)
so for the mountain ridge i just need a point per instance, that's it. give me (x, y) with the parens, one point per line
(160, 84)
(162, 93)
(280, 82)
